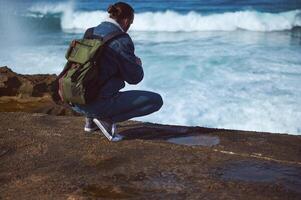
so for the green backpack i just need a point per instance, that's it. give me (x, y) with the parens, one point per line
(79, 81)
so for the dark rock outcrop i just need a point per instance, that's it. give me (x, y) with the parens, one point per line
(9, 83)
(13, 84)
(29, 93)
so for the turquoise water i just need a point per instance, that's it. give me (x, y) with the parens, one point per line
(224, 65)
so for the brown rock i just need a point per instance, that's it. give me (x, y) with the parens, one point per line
(9, 82)
(51, 157)
(28, 93)
(13, 84)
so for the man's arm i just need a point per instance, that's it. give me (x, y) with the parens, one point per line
(130, 65)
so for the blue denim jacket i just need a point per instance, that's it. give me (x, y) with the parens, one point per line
(118, 61)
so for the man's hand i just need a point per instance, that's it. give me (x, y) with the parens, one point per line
(138, 61)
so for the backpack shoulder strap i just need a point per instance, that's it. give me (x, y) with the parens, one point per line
(112, 35)
(89, 35)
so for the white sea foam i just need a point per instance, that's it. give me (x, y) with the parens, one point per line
(226, 82)
(33, 60)
(172, 21)
(247, 20)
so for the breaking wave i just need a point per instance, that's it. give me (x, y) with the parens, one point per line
(72, 20)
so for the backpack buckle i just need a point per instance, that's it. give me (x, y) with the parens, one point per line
(75, 65)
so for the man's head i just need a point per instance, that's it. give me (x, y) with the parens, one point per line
(123, 13)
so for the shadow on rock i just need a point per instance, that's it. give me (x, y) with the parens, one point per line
(149, 131)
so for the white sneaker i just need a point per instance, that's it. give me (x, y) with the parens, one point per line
(117, 138)
(90, 126)
(108, 130)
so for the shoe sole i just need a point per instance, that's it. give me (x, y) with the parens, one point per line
(103, 130)
(117, 138)
(90, 129)
(113, 129)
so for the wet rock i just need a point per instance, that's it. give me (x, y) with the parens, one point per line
(196, 140)
(264, 172)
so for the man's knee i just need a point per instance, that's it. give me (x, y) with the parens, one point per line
(157, 101)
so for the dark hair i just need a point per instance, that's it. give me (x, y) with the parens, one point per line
(121, 10)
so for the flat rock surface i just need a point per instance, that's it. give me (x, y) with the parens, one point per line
(51, 157)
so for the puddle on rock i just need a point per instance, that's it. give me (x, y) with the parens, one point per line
(251, 171)
(196, 140)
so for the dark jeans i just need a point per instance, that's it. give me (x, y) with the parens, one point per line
(123, 106)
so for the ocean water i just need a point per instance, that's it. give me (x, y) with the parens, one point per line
(222, 64)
